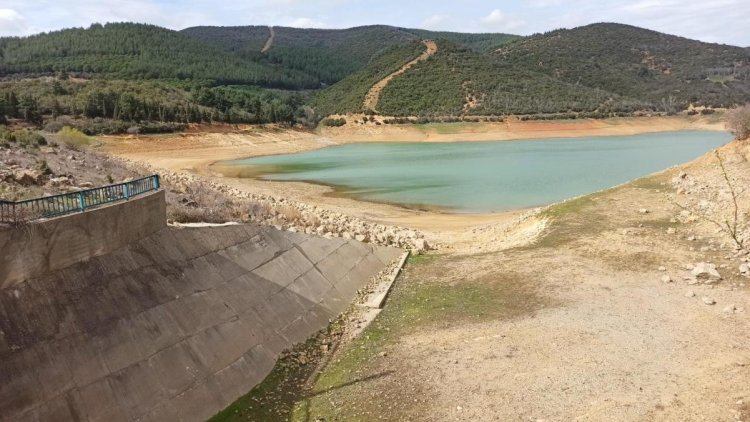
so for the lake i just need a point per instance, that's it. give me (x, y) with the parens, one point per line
(483, 176)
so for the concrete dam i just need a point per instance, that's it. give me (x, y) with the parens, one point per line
(110, 315)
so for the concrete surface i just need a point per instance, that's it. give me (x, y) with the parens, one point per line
(174, 326)
(48, 245)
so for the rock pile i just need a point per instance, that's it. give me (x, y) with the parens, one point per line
(284, 214)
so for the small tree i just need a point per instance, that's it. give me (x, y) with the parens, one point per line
(738, 122)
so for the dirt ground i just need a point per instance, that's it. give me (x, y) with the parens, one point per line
(555, 315)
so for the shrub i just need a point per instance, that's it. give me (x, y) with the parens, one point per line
(334, 122)
(73, 136)
(738, 122)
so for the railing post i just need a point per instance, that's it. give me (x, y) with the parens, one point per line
(157, 183)
(126, 189)
(81, 203)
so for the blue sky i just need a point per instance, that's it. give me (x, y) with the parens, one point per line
(725, 21)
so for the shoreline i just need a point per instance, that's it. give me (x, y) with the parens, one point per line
(197, 153)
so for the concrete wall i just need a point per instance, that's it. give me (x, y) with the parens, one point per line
(40, 247)
(175, 326)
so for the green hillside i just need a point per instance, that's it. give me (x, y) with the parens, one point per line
(638, 63)
(136, 51)
(348, 95)
(330, 54)
(442, 84)
(108, 78)
(482, 43)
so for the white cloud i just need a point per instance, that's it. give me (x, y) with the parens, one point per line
(307, 23)
(12, 23)
(435, 22)
(497, 20)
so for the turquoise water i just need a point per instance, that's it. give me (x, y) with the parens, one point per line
(486, 176)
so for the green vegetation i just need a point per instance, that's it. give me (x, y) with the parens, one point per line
(72, 136)
(23, 137)
(136, 78)
(668, 71)
(349, 94)
(483, 43)
(329, 55)
(440, 85)
(420, 298)
(137, 51)
(116, 106)
(333, 122)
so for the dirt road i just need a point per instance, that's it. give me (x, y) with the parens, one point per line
(373, 96)
(269, 42)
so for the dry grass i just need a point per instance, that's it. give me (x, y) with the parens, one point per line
(201, 204)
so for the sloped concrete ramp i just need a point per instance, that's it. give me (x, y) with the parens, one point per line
(174, 326)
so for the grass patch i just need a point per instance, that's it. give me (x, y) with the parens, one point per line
(73, 136)
(359, 383)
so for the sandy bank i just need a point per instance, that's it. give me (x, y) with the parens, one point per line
(196, 151)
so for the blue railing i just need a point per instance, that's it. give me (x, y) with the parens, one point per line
(66, 203)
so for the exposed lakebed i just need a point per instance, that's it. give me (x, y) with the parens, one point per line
(482, 176)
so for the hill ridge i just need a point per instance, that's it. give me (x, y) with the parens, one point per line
(373, 95)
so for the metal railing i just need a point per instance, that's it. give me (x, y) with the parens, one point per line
(66, 203)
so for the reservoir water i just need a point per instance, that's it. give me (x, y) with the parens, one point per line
(483, 176)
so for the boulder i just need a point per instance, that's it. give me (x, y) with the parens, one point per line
(27, 177)
(706, 273)
(59, 181)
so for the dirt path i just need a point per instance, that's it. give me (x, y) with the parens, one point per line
(373, 96)
(269, 42)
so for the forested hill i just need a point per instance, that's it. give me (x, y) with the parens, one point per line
(137, 51)
(638, 63)
(595, 71)
(125, 76)
(330, 54)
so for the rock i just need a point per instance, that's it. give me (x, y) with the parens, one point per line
(643, 211)
(420, 245)
(360, 238)
(708, 301)
(706, 273)
(59, 181)
(27, 177)
(662, 268)
(691, 238)
(744, 268)
(690, 293)
(671, 230)
(666, 278)
(729, 309)
(86, 185)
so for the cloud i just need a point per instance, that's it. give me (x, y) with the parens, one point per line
(497, 20)
(307, 23)
(12, 23)
(435, 22)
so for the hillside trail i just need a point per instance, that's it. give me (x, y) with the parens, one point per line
(269, 42)
(373, 96)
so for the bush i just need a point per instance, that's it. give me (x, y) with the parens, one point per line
(73, 136)
(738, 122)
(334, 122)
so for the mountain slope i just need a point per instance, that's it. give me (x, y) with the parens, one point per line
(137, 51)
(348, 95)
(637, 62)
(330, 54)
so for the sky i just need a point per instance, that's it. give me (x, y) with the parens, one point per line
(722, 21)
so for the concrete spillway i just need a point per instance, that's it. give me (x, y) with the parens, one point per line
(164, 324)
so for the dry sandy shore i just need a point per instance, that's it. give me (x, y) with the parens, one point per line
(196, 153)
